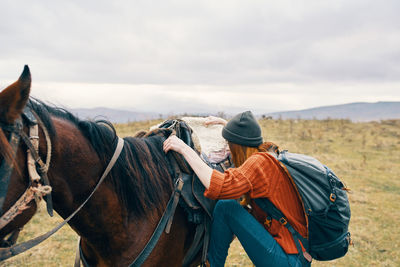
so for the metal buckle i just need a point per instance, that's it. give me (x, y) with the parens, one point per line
(179, 184)
(332, 197)
(283, 221)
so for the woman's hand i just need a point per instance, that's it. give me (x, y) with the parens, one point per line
(202, 170)
(175, 144)
(211, 120)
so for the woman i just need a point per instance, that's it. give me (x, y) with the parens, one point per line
(258, 175)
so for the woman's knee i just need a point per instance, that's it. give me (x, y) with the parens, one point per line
(226, 206)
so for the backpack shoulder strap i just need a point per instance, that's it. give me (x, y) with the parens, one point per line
(266, 205)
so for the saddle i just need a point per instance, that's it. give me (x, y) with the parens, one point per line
(198, 208)
(193, 200)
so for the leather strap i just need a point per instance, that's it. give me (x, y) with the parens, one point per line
(17, 249)
(11, 239)
(80, 257)
(32, 193)
(164, 223)
(266, 205)
(32, 168)
(196, 245)
(169, 211)
(34, 164)
(43, 169)
(77, 262)
(206, 241)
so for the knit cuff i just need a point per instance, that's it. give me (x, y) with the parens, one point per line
(216, 182)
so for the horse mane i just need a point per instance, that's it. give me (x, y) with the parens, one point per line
(141, 177)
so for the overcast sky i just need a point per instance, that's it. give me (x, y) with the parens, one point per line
(203, 56)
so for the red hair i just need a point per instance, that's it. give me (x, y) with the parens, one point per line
(241, 153)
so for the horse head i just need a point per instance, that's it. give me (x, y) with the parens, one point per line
(13, 170)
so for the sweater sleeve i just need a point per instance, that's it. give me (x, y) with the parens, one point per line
(254, 176)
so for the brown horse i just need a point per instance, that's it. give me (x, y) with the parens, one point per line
(121, 216)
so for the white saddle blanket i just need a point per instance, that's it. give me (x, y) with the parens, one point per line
(207, 139)
(210, 138)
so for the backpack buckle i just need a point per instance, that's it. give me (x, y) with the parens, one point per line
(268, 222)
(283, 221)
(332, 197)
(307, 256)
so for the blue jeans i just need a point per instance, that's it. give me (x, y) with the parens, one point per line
(232, 219)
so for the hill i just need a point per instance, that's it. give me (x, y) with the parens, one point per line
(357, 112)
(354, 111)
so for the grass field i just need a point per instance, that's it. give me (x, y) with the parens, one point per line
(366, 156)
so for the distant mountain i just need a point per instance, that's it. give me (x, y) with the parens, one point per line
(113, 115)
(354, 111)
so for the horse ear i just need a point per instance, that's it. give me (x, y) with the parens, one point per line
(13, 99)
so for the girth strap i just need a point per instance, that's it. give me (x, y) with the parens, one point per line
(206, 242)
(196, 245)
(168, 213)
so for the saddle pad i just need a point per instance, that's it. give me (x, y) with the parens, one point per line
(206, 139)
(210, 138)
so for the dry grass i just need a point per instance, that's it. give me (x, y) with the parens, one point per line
(366, 156)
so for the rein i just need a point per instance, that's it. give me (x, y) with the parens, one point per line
(40, 190)
(164, 223)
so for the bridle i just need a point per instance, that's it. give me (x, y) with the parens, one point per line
(39, 185)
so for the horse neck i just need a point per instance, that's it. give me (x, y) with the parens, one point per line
(74, 171)
(109, 236)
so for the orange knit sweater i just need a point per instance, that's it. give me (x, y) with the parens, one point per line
(262, 176)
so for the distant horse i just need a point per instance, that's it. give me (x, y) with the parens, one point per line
(119, 219)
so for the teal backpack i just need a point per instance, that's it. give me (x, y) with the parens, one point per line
(325, 204)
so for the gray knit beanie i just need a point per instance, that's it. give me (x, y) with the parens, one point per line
(243, 129)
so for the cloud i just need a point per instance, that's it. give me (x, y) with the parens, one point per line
(229, 46)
